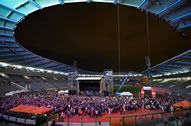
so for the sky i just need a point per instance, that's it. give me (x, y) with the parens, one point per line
(88, 34)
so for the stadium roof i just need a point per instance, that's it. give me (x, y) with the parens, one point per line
(175, 12)
(177, 64)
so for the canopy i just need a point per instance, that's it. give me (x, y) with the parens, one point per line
(28, 109)
(63, 92)
(126, 94)
(41, 110)
(15, 92)
(183, 104)
(18, 108)
(31, 109)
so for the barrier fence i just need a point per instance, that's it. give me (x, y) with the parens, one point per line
(79, 120)
(23, 118)
(134, 120)
(17, 119)
(154, 118)
(183, 115)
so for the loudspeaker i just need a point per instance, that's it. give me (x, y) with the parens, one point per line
(72, 92)
(147, 60)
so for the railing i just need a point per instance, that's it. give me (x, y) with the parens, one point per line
(17, 85)
(149, 119)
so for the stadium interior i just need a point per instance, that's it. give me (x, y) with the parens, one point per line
(23, 72)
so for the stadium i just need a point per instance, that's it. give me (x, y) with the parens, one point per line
(114, 82)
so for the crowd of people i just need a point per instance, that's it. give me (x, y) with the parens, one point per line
(93, 106)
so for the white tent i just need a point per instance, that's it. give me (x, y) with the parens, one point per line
(126, 94)
(63, 92)
(15, 92)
